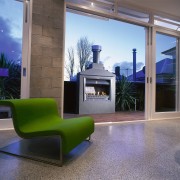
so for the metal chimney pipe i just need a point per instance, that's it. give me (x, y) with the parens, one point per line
(134, 64)
(117, 71)
(96, 49)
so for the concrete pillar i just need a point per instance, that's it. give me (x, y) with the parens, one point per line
(47, 50)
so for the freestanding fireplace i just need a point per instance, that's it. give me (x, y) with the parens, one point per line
(96, 88)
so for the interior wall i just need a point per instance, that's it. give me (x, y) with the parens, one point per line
(47, 50)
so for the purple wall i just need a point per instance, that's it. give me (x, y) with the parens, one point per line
(4, 72)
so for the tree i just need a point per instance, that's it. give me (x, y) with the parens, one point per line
(84, 52)
(70, 65)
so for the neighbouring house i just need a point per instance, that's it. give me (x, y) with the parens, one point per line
(165, 69)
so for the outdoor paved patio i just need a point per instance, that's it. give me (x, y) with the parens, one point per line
(113, 117)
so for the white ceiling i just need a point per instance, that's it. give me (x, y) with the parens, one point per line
(169, 7)
(165, 8)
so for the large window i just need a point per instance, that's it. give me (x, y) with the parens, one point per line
(118, 39)
(11, 22)
(166, 75)
(123, 54)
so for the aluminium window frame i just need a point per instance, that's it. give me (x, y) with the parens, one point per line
(150, 51)
(6, 124)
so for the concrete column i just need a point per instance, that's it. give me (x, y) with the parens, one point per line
(47, 50)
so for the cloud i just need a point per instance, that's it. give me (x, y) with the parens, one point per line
(126, 68)
(9, 45)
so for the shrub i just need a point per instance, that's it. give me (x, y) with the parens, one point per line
(10, 85)
(125, 95)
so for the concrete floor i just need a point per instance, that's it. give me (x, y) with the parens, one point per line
(124, 151)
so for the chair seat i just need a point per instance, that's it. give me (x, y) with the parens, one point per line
(73, 131)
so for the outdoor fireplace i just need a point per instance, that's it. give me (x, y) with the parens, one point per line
(96, 88)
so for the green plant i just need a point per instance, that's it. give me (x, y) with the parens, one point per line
(125, 94)
(140, 98)
(10, 85)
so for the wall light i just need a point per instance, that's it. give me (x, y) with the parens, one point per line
(92, 4)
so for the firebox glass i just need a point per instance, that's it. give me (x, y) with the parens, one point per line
(97, 89)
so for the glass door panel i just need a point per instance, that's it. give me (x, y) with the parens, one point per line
(11, 23)
(166, 76)
(123, 53)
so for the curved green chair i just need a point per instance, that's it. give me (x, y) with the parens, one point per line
(37, 117)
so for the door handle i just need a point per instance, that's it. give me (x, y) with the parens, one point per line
(24, 71)
(151, 80)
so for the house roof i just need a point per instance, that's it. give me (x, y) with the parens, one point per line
(165, 66)
(139, 75)
(171, 51)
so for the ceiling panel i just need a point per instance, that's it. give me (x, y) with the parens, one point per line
(169, 7)
(165, 8)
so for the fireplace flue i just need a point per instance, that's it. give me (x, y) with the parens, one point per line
(96, 49)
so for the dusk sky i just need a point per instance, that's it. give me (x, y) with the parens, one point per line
(116, 38)
(11, 19)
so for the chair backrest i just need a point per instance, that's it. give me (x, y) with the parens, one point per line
(26, 111)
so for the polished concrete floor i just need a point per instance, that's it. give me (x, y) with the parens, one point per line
(124, 151)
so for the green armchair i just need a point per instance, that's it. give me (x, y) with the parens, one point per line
(37, 117)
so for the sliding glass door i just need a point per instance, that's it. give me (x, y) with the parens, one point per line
(165, 75)
(15, 36)
(11, 23)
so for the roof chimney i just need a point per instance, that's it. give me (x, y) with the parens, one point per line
(117, 71)
(134, 64)
(96, 49)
